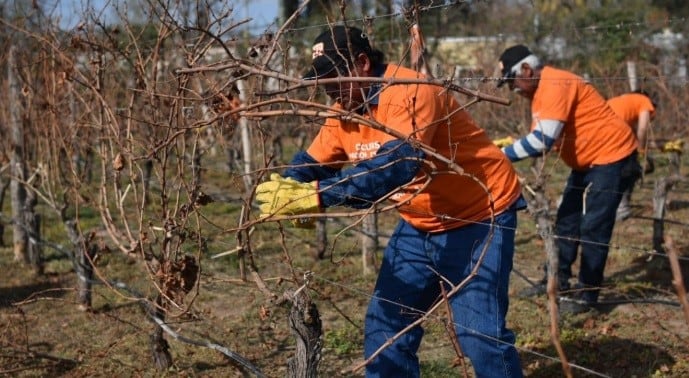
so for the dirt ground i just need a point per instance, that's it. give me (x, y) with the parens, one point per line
(640, 331)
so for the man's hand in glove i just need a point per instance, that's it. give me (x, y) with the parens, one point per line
(503, 142)
(286, 196)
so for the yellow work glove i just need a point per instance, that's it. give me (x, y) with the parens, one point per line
(503, 142)
(286, 196)
(673, 146)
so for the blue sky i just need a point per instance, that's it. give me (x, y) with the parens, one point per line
(263, 12)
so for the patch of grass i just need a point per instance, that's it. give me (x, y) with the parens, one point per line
(344, 340)
(438, 369)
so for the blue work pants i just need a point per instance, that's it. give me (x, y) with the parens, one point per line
(409, 283)
(586, 218)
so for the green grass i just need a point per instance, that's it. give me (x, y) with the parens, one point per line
(343, 341)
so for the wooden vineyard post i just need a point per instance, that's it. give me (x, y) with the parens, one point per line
(662, 186)
(17, 164)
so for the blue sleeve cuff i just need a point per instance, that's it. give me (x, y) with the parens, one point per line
(395, 164)
(304, 168)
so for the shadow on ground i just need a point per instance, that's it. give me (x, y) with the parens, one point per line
(607, 355)
(45, 286)
(654, 273)
(21, 354)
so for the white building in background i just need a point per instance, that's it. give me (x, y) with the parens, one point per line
(673, 62)
(472, 57)
(469, 58)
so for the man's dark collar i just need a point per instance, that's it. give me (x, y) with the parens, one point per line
(374, 90)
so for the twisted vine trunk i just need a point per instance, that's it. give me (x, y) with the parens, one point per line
(539, 207)
(305, 323)
(160, 349)
(32, 221)
(84, 253)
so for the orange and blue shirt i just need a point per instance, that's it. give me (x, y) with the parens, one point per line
(570, 116)
(437, 198)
